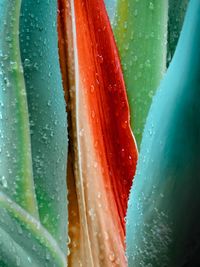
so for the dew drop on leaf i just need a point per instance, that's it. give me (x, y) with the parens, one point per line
(3, 181)
(112, 257)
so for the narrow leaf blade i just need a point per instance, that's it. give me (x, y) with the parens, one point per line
(16, 178)
(26, 238)
(39, 52)
(140, 30)
(104, 150)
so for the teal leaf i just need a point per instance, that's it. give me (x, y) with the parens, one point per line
(111, 9)
(39, 53)
(25, 241)
(177, 9)
(163, 210)
(16, 176)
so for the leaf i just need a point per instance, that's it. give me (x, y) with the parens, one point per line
(39, 52)
(163, 211)
(176, 15)
(25, 241)
(16, 177)
(140, 30)
(103, 152)
(111, 9)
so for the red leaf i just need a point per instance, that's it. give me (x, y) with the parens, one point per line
(104, 149)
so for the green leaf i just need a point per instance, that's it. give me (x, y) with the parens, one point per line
(16, 179)
(140, 30)
(25, 241)
(163, 214)
(39, 52)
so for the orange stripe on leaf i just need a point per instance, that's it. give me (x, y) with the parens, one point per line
(103, 148)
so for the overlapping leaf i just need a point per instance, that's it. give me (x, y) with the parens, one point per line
(39, 52)
(16, 177)
(103, 152)
(163, 215)
(23, 238)
(176, 13)
(140, 30)
(24, 241)
(111, 9)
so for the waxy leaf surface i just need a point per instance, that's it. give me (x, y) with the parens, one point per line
(16, 176)
(39, 52)
(163, 214)
(24, 241)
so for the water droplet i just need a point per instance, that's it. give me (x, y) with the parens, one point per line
(148, 63)
(92, 214)
(47, 256)
(13, 65)
(49, 103)
(122, 152)
(151, 6)
(135, 12)
(151, 93)
(7, 83)
(124, 124)
(126, 47)
(95, 164)
(150, 132)
(100, 58)
(36, 67)
(111, 256)
(81, 132)
(3, 181)
(125, 25)
(92, 88)
(27, 63)
(135, 58)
